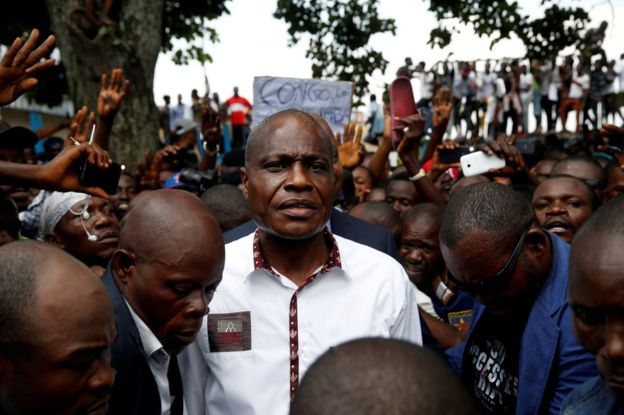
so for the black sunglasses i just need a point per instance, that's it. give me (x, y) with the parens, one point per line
(499, 281)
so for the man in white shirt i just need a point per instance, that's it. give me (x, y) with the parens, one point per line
(579, 88)
(486, 95)
(292, 289)
(526, 95)
(160, 280)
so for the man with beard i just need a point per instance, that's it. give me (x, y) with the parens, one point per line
(292, 289)
(419, 249)
(596, 295)
(520, 355)
(562, 204)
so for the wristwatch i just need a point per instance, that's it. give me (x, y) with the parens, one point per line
(418, 176)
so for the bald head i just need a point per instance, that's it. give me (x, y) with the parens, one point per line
(380, 214)
(265, 129)
(161, 221)
(169, 263)
(34, 272)
(380, 376)
(428, 212)
(56, 329)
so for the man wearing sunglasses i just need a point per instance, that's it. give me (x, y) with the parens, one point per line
(521, 355)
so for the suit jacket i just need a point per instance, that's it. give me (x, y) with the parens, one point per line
(341, 224)
(552, 363)
(134, 391)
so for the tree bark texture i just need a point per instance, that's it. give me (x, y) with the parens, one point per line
(89, 49)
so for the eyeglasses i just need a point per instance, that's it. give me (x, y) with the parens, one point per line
(499, 281)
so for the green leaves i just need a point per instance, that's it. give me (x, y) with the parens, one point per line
(544, 37)
(188, 20)
(339, 33)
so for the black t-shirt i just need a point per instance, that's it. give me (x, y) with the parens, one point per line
(490, 366)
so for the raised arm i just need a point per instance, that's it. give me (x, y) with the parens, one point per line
(112, 92)
(20, 64)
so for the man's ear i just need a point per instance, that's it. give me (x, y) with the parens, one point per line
(123, 265)
(537, 242)
(53, 239)
(244, 181)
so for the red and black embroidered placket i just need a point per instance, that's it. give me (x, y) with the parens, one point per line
(260, 262)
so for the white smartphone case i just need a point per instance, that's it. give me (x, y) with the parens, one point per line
(478, 162)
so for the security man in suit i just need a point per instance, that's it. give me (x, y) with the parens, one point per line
(160, 280)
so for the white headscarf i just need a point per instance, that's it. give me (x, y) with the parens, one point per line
(54, 207)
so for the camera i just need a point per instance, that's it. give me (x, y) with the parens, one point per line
(199, 181)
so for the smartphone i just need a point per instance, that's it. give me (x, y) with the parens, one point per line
(107, 179)
(478, 162)
(402, 104)
(525, 145)
(452, 156)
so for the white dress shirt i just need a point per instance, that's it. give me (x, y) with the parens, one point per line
(368, 296)
(157, 359)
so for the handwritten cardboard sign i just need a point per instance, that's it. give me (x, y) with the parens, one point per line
(329, 99)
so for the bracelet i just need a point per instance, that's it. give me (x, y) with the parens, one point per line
(418, 176)
(211, 152)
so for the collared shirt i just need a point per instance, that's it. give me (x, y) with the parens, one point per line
(157, 359)
(263, 331)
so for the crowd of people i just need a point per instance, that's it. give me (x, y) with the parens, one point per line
(302, 272)
(493, 97)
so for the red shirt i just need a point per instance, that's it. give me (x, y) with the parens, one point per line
(237, 108)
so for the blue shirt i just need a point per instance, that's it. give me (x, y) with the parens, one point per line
(552, 363)
(592, 397)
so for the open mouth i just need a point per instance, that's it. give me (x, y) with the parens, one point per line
(558, 227)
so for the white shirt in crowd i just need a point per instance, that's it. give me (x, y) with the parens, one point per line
(157, 359)
(526, 87)
(252, 315)
(487, 85)
(423, 82)
(579, 85)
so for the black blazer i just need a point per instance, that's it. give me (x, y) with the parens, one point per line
(342, 224)
(134, 391)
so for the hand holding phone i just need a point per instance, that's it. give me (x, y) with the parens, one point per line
(478, 162)
(452, 155)
(106, 178)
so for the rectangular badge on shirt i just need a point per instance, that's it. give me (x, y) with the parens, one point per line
(229, 332)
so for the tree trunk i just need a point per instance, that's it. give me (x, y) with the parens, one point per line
(89, 49)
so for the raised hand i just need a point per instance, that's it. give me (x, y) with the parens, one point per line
(442, 106)
(349, 150)
(20, 64)
(437, 167)
(80, 126)
(61, 174)
(503, 147)
(112, 92)
(412, 129)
